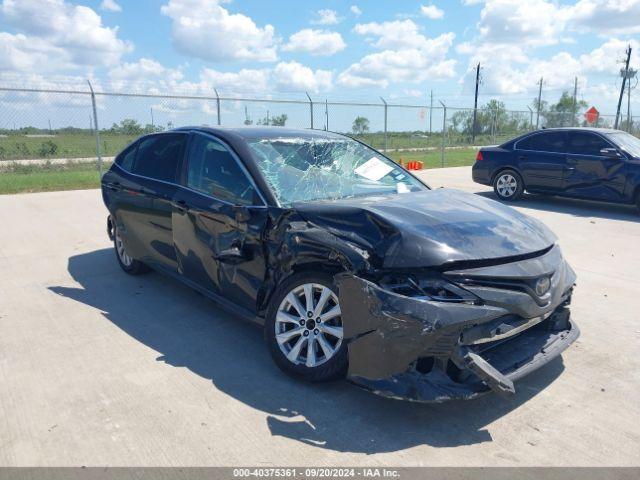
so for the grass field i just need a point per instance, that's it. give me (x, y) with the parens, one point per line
(79, 145)
(48, 178)
(18, 147)
(454, 157)
(16, 178)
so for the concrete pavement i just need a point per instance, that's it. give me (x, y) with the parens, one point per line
(99, 368)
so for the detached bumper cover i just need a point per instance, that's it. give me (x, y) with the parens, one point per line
(430, 351)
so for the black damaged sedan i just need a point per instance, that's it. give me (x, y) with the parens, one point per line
(354, 266)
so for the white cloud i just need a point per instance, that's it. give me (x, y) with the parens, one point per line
(406, 56)
(547, 22)
(509, 70)
(294, 76)
(611, 16)
(510, 30)
(395, 34)
(55, 35)
(355, 10)
(432, 12)
(326, 17)
(110, 6)
(315, 42)
(242, 81)
(534, 22)
(284, 77)
(204, 29)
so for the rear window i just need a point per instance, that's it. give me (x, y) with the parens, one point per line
(554, 142)
(159, 156)
(126, 158)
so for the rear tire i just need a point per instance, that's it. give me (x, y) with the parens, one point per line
(305, 337)
(126, 262)
(508, 185)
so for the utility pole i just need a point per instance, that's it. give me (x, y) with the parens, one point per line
(539, 104)
(624, 74)
(430, 112)
(631, 73)
(152, 122)
(475, 106)
(575, 100)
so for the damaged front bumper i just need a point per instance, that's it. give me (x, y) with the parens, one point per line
(430, 351)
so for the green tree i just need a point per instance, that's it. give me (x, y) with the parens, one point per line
(360, 125)
(279, 120)
(563, 113)
(492, 118)
(48, 149)
(276, 120)
(128, 126)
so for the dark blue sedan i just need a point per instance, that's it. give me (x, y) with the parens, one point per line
(590, 163)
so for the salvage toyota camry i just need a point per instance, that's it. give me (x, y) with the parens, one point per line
(354, 266)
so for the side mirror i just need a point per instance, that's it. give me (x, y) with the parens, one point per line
(610, 153)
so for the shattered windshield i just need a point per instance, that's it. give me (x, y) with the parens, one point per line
(627, 142)
(306, 169)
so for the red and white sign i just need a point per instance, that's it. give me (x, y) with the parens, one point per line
(591, 115)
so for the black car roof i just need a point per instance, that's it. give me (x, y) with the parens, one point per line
(586, 129)
(254, 132)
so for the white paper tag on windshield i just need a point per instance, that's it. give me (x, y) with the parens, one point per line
(401, 187)
(373, 169)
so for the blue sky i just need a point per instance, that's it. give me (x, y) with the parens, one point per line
(332, 49)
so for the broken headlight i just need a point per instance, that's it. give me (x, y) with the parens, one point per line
(428, 288)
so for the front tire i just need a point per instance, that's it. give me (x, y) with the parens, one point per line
(126, 262)
(304, 328)
(508, 185)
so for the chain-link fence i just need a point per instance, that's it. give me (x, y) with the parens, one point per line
(50, 128)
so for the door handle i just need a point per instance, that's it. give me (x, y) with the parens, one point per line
(232, 255)
(522, 157)
(180, 205)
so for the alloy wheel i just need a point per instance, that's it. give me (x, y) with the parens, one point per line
(308, 325)
(506, 185)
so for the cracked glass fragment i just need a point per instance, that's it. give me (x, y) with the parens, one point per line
(306, 169)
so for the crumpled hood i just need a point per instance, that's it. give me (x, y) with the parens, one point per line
(430, 228)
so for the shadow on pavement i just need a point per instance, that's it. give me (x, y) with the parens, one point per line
(570, 206)
(190, 331)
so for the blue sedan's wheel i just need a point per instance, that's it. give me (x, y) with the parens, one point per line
(508, 185)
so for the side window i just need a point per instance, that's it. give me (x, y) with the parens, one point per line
(585, 143)
(525, 143)
(159, 156)
(554, 142)
(125, 159)
(213, 170)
